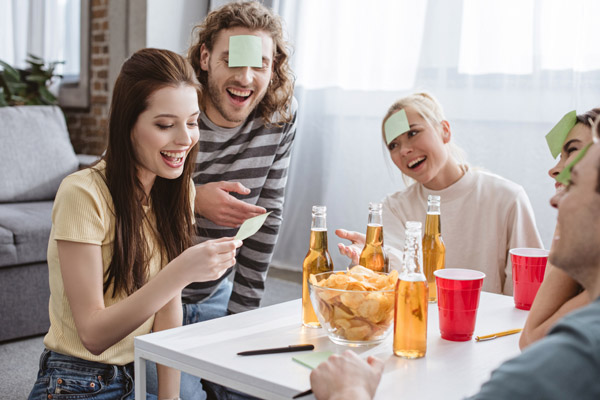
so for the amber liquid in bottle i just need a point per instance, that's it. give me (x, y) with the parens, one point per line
(434, 250)
(410, 340)
(317, 260)
(373, 256)
(410, 308)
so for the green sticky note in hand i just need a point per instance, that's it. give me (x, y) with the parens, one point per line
(565, 175)
(312, 359)
(396, 125)
(251, 226)
(557, 136)
(245, 51)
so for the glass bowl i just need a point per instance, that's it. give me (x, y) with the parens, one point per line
(359, 315)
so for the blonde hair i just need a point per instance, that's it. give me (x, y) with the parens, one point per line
(431, 110)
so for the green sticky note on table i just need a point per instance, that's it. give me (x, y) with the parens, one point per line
(245, 51)
(396, 125)
(565, 175)
(251, 226)
(312, 359)
(557, 136)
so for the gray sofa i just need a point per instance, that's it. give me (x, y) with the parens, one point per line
(36, 155)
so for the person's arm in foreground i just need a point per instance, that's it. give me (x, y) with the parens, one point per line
(100, 327)
(170, 316)
(558, 295)
(346, 376)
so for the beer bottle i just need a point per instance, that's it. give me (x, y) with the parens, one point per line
(317, 260)
(434, 250)
(410, 311)
(373, 255)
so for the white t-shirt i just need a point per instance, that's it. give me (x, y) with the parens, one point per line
(482, 215)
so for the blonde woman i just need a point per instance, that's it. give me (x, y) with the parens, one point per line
(483, 214)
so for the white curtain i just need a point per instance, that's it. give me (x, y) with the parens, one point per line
(505, 71)
(45, 28)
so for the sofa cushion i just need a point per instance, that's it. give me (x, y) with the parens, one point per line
(37, 153)
(24, 294)
(8, 250)
(29, 224)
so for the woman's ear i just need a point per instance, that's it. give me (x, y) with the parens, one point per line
(446, 132)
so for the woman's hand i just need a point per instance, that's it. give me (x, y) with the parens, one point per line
(209, 260)
(352, 251)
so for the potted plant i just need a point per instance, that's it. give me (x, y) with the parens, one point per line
(27, 86)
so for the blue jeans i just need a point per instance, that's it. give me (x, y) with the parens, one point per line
(67, 377)
(214, 306)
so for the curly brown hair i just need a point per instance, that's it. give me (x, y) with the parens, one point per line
(254, 16)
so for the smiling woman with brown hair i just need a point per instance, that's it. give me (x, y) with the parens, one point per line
(119, 250)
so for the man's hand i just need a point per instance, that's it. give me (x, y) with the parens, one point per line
(214, 202)
(346, 376)
(358, 242)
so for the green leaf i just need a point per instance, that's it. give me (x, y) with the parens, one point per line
(28, 86)
(34, 57)
(36, 78)
(46, 96)
(3, 99)
(10, 72)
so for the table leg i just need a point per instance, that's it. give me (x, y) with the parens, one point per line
(140, 377)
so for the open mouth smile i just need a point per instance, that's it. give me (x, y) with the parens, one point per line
(239, 96)
(416, 162)
(173, 158)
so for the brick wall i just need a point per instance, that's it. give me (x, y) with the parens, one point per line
(87, 128)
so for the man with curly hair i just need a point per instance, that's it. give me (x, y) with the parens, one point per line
(247, 128)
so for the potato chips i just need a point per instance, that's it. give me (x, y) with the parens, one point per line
(357, 305)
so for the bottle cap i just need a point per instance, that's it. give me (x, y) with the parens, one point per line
(321, 210)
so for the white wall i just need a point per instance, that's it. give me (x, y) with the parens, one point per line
(169, 23)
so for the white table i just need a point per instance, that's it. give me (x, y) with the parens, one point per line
(450, 370)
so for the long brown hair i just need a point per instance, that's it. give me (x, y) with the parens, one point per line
(256, 17)
(145, 72)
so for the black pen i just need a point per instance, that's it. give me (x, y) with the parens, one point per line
(290, 348)
(302, 394)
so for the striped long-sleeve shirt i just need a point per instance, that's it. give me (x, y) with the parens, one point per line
(258, 157)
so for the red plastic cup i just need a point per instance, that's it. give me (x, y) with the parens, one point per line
(458, 299)
(528, 267)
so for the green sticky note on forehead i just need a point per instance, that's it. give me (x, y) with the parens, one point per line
(251, 226)
(396, 125)
(557, 136)
(565, 175)
(245, 51)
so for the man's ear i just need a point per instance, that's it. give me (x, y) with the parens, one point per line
(446, 132)
(204, 57)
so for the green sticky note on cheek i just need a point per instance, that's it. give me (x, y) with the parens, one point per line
(245, 51)
(312, 359)
(565, 175)
(396, 125)
(251, 226)
(557, 136)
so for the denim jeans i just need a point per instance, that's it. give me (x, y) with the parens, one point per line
(212, 307)
(66, 377)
